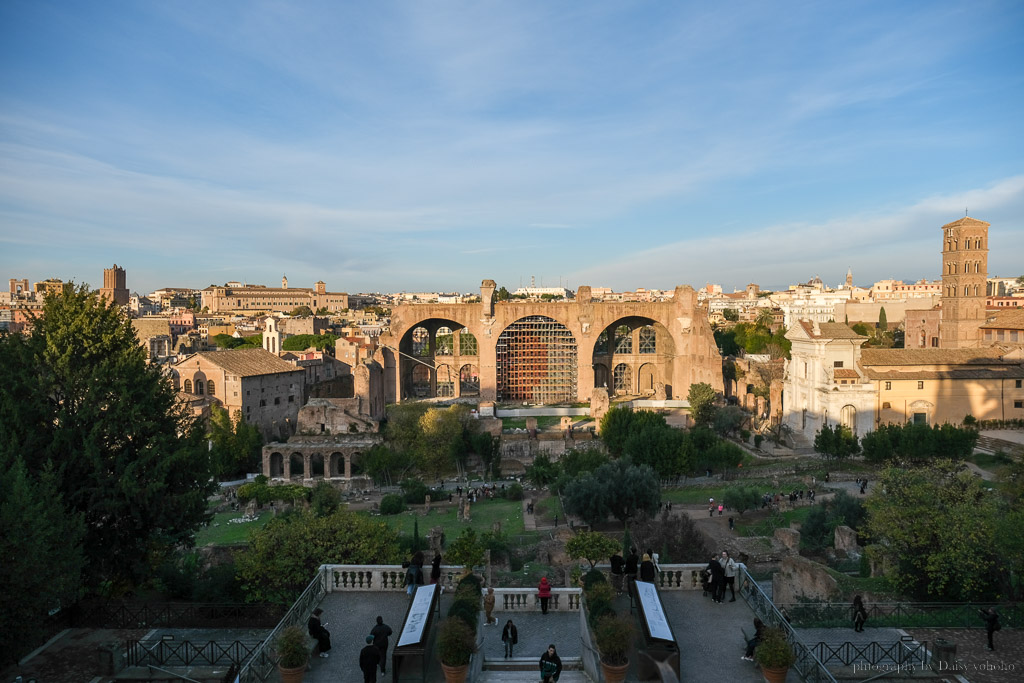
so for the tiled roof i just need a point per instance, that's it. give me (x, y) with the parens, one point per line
(966, 220)
(1007, 372)
(845, 373)
(830, 331)
(248, 362)
(1008, 319)
(883, 357)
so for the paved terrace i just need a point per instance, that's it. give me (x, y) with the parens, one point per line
(709, 634)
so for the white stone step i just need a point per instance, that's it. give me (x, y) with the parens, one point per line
(492, 676)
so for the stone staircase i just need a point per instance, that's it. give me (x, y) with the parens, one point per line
(526, 669)
(991, 444)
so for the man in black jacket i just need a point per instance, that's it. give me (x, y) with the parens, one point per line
(369, 659)
(717, 579)
(381, 632)
(632, 567)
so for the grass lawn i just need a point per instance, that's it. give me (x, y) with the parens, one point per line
(993, 462)
(219, 532)
(482, 516)
(749, 525)
(547, 509)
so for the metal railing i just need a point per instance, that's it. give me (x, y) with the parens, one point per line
(901, 614)
(187, 653)
(905, 654)
(807, 663)
(261, 666)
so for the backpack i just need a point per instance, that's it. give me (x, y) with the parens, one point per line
(412, 576)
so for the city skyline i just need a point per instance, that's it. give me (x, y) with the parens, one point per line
(404, 147)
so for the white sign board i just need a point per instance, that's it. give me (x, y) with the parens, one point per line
(416, 621)
(654, 613)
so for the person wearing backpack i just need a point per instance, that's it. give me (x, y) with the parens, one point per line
(414, 574)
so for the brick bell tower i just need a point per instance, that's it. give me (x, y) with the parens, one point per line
(964, 275)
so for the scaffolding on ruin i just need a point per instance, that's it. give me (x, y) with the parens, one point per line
(536, 362)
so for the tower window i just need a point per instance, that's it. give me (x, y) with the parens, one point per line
(920, 384)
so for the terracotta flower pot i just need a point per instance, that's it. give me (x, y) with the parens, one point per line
(293, 675)
(774, 675)
(614, 673)
(455, 674)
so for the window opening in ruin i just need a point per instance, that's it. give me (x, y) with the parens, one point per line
(420, 381)
(199, 387)
(445, 345)
(648, 339)
(623, 339)
(420, 342)
(623, 378)
(188, 386)
(210, 388)
(536, 362)
(467, 344)
(601, 346)
(445, 382)
(469, 380)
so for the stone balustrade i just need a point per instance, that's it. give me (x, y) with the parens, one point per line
(357, 577)
(526, 600)
(671, 577)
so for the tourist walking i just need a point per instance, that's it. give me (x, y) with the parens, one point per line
(717, 579)
(544, 593)
(510, 637)
(317, 630)
(618, 566)
(435, 569)
(489, 607)
(729, 567)
(992, 624)
(550, 664)
(632, 567)
(414, 574)
(860, 615)
(369, 660)
(647, 572)
(381, 632)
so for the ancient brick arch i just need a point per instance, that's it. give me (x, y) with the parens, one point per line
(317, 459)
(685, 350)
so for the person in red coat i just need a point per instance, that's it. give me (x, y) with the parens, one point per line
(544, 593)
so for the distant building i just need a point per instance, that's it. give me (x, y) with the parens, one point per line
(964, 282)
(266, 390)
(253, 298)
(114, 288)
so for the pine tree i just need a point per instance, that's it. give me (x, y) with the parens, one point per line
(79, 399)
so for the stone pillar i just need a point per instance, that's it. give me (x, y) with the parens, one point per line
(307, 466)
(266, 463)
(286, 463)
(348, 465)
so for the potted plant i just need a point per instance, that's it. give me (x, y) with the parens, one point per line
(774, 654)
(456, 643)
(614, 636)
(292, 654)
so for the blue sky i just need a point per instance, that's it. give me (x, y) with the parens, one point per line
(429, 145)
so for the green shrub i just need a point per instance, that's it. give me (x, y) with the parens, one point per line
(391, 504)
(592, 578)
(414, 491)
(456, 642)
(514, 492)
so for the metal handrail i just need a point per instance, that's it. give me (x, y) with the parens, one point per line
(807, 664)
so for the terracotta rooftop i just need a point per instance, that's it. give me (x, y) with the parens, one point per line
(830, 331)
(962, 372)
(845, 373)
(966, 220)
(1006, 319)
(248, 362)
(890, 357)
